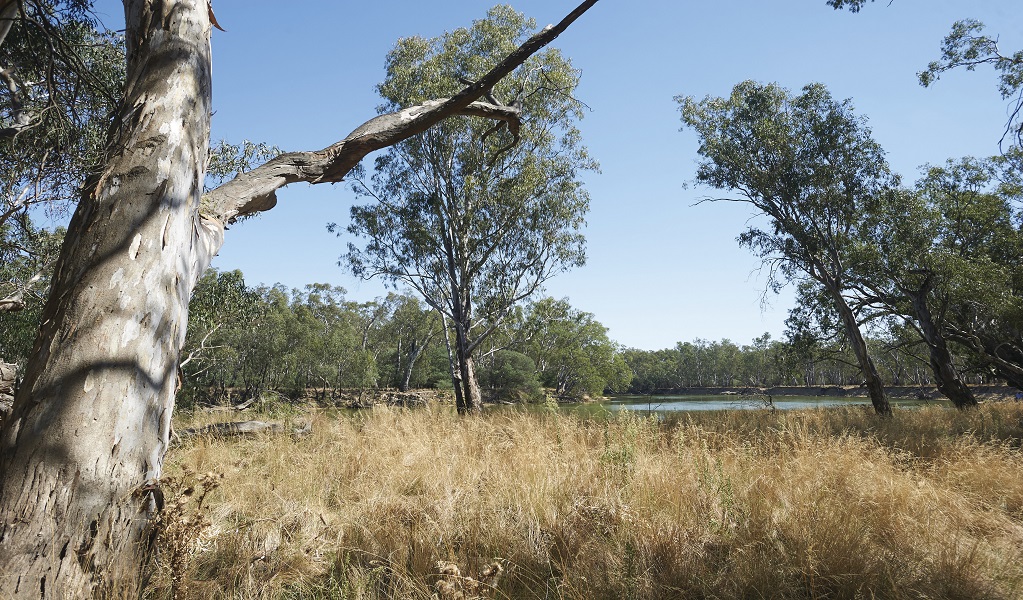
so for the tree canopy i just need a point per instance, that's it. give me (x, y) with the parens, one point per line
(475, 216)
(810, 166)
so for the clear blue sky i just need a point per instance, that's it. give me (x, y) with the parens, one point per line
(301, 75)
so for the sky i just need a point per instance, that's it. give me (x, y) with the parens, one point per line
(661, 268)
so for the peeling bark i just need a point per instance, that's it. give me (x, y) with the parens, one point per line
(91, 421)
(8, 377)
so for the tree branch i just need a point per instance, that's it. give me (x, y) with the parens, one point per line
(255, 191)
(16, 301)
(21, 120)
(8, 14)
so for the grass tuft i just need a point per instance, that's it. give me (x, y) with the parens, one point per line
(830, 503)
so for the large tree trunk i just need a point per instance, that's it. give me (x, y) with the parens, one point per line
(470, 400)
(456, 374)
(82, 452)
(92, 419)
(945, 373)
(871, 379)
(472, 397)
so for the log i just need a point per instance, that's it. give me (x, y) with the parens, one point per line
(231, 429)
(243, 428)
(236, 407)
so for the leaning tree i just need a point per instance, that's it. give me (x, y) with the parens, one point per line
(82, 453)
(809, 165)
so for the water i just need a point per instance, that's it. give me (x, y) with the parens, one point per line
(668, 404)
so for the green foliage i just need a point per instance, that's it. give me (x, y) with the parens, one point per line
(573, 354)
(26, 255)
(228, 160)
(968, 46)
(806, 162)
(510, 375)
(61, 77)
(471, 222)
(247, 341)
(852, 5)
(411, 331)
(65, 79)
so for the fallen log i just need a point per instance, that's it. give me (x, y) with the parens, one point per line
(234, 407)
(235, 428)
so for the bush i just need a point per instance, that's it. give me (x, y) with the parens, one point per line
(510, 376)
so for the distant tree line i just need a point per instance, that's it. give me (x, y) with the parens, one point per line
(245, 341)
(797, 361)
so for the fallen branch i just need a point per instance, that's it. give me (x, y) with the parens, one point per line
(243, 428)
(231, 429)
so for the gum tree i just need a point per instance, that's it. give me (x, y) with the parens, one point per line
(808, 164)
(82, 453)
(476, 217)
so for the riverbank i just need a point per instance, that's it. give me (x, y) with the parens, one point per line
(388, 503)
(983, 392)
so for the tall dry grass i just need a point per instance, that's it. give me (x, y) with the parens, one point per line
(810, 504)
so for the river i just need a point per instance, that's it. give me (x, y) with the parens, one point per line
(667, 404)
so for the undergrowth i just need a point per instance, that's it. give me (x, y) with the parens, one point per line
(827, 503)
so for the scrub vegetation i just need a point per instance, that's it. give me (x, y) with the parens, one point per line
(753, 504)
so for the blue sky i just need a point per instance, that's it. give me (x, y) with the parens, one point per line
(301, 75)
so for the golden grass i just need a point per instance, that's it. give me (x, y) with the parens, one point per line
(810, 504)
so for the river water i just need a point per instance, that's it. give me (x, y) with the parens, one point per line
(667, 404)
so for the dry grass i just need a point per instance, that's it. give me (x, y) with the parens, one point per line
(809, 504)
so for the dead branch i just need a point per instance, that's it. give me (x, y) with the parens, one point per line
(16, 301)
(242, 428)
(255, 190)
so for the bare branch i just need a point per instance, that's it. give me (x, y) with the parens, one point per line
(202, 347)
(255, 191)
(16, 301)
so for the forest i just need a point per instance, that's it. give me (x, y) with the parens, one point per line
(125, 353)
(248, 341)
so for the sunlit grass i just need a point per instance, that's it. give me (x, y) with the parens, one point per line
(831, 503)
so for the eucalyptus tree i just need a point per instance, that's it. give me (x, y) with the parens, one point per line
(809, 165)
(967, 46)
(411, 330)
(91, 421)
(476, 217)
(976, 255)
(60, 76)
(572, 351)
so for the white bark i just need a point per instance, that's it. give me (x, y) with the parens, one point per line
(91, 420)
(81, 454)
